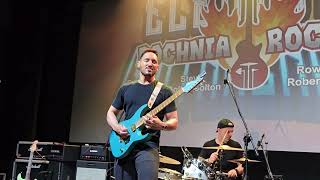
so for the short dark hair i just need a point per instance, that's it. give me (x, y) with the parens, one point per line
(149, 50)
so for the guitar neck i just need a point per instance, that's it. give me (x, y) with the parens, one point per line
(165, 103)
(29, 166)
(161, 106)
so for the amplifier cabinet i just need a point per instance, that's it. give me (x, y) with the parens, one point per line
(23, 149)
(45, 170)
(93, 170)
(62, 170)
(49, 151)
(39, 169)
(93, 152)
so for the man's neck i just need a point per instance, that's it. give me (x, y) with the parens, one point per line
(219, 141)
(146, 79)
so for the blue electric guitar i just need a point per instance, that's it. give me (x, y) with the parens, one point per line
(121, 147)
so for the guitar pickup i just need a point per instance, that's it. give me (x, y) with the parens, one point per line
(133, 128)
(125, 140)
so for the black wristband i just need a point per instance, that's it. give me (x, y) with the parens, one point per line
(164, 126)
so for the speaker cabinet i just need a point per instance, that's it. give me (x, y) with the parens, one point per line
(92, 170)
(38, 169)
(62, 170)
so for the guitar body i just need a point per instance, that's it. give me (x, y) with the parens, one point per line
(121, 147)
(19, 177)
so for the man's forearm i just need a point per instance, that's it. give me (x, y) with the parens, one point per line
(170, 124)
(239, 170)
(112, 121)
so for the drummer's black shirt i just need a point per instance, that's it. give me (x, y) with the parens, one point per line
(224, 156)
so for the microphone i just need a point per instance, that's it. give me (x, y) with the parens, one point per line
(225, 81)
(259, 143)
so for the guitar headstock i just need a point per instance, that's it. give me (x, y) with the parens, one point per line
(33, 147)
(192, 84)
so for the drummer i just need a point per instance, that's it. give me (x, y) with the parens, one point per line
(218, 157)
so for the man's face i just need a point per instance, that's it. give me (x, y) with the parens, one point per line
(223, 131)
(148, 64)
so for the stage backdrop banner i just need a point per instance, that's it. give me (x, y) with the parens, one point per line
(271, 49)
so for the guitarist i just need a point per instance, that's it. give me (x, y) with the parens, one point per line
(143, 160)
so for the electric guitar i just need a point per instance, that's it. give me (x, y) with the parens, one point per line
(121, 147)
(33, 147)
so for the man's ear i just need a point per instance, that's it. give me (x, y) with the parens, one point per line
(138, 64)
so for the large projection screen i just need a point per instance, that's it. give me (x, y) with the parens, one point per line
(273, 58)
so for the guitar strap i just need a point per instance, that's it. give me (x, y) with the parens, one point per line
(154, 94)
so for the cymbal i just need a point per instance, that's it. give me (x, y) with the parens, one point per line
(242, 160)
(170, 171)
(224, 147)
(167, 160)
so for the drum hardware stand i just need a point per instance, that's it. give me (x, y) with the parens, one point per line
(220, 160)
(247, 138)
(186, 153)
(187, 156)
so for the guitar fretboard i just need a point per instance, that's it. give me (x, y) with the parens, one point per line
(28, 172)
(160, 106)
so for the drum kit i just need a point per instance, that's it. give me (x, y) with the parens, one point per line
(196, 168)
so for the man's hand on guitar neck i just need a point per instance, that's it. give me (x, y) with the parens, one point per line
(154, 122)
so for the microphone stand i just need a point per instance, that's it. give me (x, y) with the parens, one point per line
(270, 176)
(247, 138)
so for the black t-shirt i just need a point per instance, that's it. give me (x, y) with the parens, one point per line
(225, 155)
(133, 95)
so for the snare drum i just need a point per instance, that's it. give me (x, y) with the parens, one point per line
(194, 169)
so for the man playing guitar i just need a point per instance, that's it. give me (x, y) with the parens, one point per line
(142, 162)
